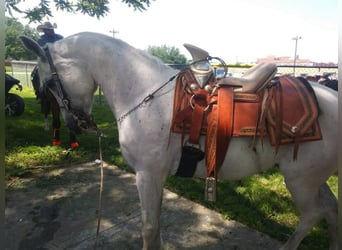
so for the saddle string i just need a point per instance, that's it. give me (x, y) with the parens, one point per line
(260, 126)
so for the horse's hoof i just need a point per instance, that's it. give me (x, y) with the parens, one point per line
(74, 144)
(56, 143)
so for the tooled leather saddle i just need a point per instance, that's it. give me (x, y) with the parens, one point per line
(282, 109)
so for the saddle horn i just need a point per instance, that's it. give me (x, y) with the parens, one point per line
(197, 53)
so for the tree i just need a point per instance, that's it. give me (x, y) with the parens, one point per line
(167, 54)
(13, 46)
(93, 8)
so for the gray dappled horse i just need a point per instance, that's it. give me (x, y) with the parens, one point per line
(127, 76)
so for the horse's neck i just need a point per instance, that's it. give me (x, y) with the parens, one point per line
(128, 76)
(125, 94)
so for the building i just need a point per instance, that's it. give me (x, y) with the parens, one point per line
(285, 61)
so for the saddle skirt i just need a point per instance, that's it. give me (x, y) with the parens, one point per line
(292, 115)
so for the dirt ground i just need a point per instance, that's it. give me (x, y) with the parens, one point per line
(58, 210)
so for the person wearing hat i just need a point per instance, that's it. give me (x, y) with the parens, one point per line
(49, 35)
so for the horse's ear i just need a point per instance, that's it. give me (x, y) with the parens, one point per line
(33, 47)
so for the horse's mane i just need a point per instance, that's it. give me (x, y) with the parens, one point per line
(109, 41)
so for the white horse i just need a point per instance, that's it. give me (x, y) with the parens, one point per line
(127, 76)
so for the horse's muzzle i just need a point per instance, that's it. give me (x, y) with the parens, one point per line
(86, 125)
(80, 125)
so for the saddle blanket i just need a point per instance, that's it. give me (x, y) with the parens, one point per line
(292, 116)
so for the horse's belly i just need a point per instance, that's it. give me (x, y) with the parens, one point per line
(242, 160)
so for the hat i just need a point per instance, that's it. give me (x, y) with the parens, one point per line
(46, 25)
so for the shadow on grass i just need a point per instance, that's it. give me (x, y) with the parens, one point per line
(255, 205)
(28, 144)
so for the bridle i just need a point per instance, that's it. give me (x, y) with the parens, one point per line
(54, 85)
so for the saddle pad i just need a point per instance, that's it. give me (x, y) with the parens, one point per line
(294, 112)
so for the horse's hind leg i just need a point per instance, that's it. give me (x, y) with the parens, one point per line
(314, 204)
(329, 202)
(150, 188)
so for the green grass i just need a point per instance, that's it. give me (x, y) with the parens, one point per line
(28, 144)
(260, 201)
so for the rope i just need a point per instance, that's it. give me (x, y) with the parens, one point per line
(145, 100)
(100, 195)
(100, 134)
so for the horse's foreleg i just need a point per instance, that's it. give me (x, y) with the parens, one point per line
(150, 188)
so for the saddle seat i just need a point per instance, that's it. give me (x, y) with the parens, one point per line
(253, 80)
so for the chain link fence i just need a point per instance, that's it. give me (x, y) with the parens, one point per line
(281, 70)
(22, 70)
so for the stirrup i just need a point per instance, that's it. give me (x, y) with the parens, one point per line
(210, 189)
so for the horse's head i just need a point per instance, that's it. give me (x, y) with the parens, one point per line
(64, 78)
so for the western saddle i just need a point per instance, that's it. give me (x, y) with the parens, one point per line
(255, 105)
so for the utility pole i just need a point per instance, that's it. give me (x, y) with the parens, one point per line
(295, 55)
(113, 31)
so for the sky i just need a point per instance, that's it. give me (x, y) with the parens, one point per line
(235, 30)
